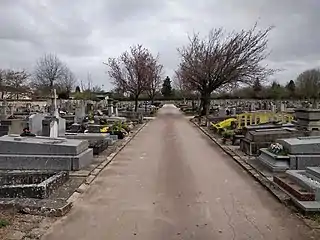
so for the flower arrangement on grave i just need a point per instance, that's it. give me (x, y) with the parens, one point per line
(276, 148)
(119, 128)
(227, 134)
(104, 129)
(91, 117)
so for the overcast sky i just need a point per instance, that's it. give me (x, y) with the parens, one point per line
(84, 33)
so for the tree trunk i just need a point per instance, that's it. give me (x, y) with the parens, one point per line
(204, 104)
(136, 103)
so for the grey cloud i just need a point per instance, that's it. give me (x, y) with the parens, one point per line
(85, 33)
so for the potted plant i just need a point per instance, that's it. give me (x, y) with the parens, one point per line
(115, 129)
(227, 135)
(126, 127)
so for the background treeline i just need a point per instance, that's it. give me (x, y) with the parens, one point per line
(305, 86)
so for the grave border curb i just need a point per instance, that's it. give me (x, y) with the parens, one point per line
(101, 166)
(266, 183)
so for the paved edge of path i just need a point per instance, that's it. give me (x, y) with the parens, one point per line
(95, 172)
(266, 183)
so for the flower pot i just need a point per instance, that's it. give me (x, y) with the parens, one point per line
(120, 134)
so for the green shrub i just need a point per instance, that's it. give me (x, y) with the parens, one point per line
(227, 134)
(3, 223)
(119, 127)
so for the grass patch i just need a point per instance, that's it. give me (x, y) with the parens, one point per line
(3, 223)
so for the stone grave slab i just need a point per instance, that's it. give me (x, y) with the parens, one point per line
(13, 144)
(30, 184)
(43, 153)
(262, 138)
(97, 141)
(273, 162)
(302, 145)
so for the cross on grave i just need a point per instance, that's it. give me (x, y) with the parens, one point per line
(56, 111)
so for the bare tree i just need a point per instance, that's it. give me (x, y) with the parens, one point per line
(66, 83)
(129, 72)
(48, 72)
(16, 82)
(308, 84)
(86, 85)
(154, 76)
(223, 61)
(88, 89)
(181, 85)
(2, 83)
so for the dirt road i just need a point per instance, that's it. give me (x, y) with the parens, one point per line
(171, 182)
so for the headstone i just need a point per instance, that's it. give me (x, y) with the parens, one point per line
(3, 110)
(115, 108)
(88, 108)
(35, 123)
(12, 110)
(233, 111)
(12, 126)
(53, 127)
(265, 106)
(110, 108)
(61, 126)
(252, 107)
(28, 106)
(80, 112)
(283, 107)
(68, 106)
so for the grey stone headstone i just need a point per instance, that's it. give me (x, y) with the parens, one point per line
(80, 113)
(3, 112)
(35, 123)
(61, 127)
(110, 110)
(252, 107)
(282, 107)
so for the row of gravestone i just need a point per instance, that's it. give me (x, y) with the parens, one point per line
(39, 124)
(253, 105)
(290, 153)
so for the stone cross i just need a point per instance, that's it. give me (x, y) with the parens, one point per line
(55, 108)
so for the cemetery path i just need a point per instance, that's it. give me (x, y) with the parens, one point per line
(171, 182)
